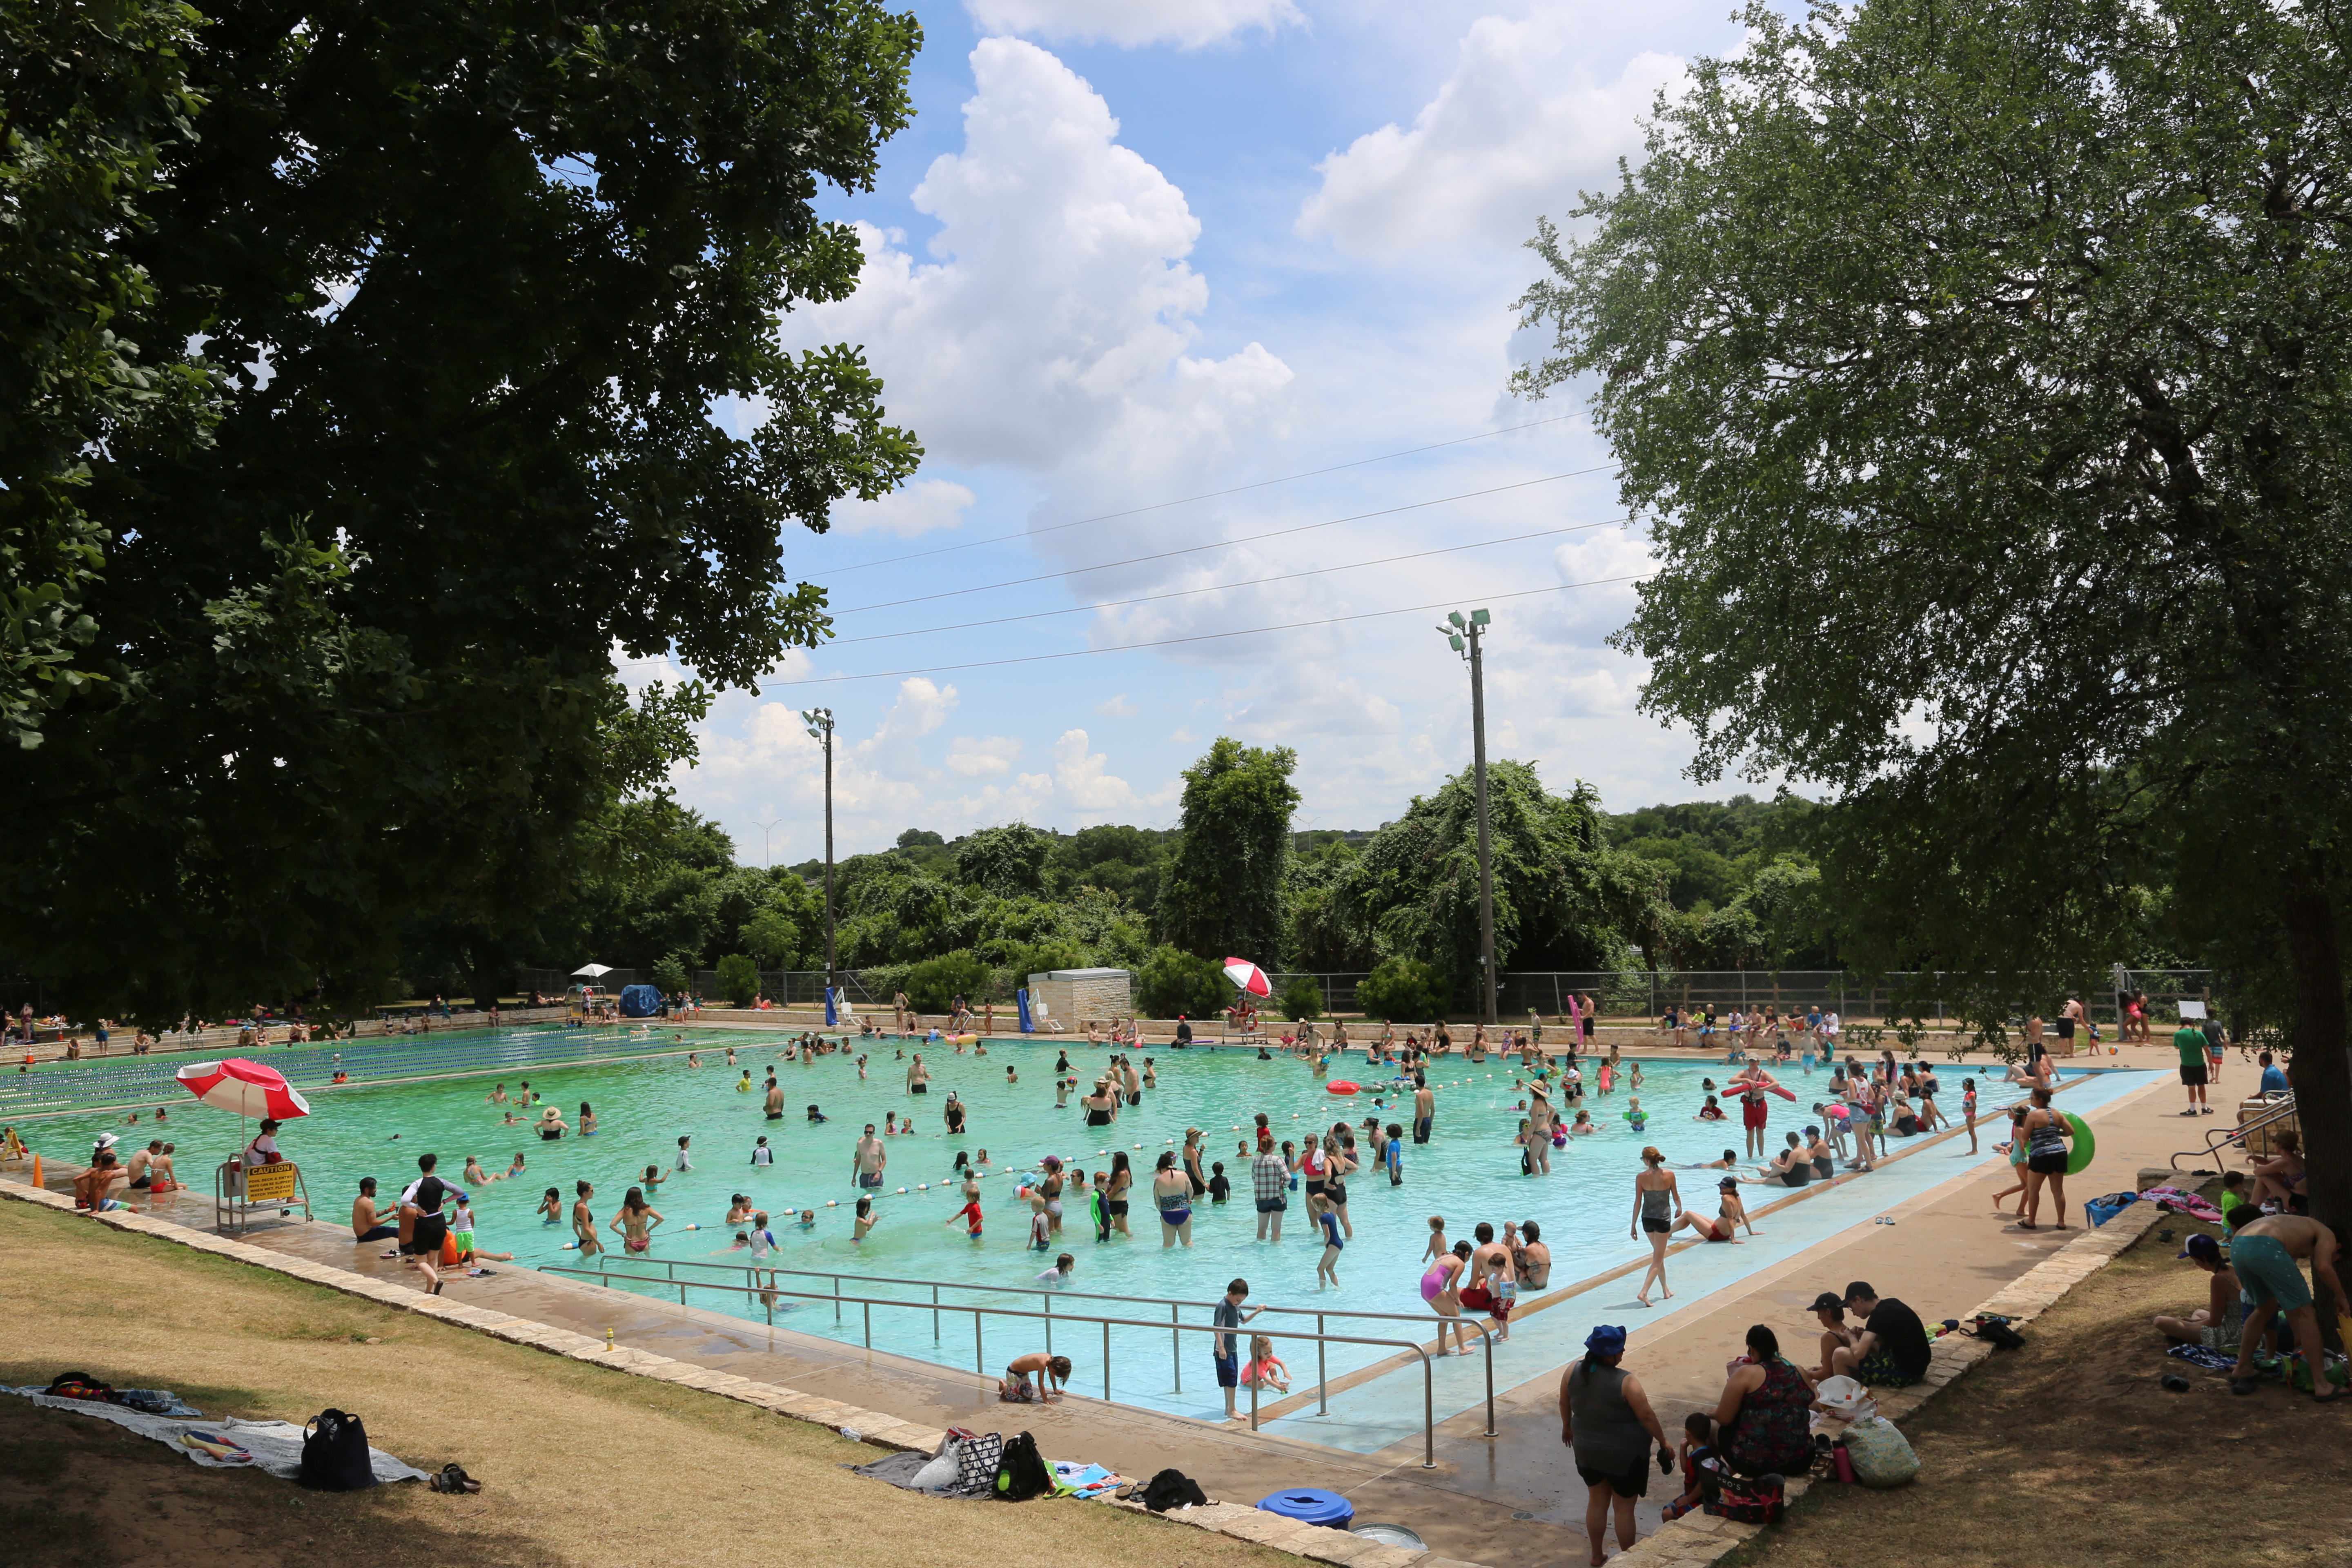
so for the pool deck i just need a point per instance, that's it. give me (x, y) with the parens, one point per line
(1512, 1499)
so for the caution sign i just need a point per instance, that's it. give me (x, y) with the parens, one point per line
(269, 1184)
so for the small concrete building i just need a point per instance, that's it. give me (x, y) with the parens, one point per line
(1072, 996)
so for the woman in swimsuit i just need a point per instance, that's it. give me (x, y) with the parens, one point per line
(635, 1222)
(1818, 1150)
(1440, 1288)
(1197, 1181)
(1122, 1177)
(1655, 1201)
(1171, 1195)
(1101, 1107)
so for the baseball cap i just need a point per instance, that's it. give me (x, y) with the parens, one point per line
(2204, 1249)
(1825, 1300)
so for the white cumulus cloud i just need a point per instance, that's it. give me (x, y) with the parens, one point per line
(1054, 317)
(982, 756)
(1190, 23)
(1516, 131)
(921, 507)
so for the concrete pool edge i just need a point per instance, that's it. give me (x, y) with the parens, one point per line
(874, 1427)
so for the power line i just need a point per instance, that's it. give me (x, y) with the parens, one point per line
(1248, 583)
(1209, 495)
(1203, 636)
(1213, 544)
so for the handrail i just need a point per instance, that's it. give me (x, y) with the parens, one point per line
(980, 1353)
(2221, 1138)
(1322, 1370)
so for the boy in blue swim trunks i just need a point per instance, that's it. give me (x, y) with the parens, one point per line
(2264, 1255)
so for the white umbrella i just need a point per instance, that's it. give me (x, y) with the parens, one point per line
(593, 971)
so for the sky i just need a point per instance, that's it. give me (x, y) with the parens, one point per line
(1203, 310)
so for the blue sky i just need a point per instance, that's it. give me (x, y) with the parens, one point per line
(1134, 253)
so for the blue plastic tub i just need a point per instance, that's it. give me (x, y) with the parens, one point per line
(1309, 1506)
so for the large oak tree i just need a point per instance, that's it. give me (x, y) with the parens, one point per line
(1981, 371)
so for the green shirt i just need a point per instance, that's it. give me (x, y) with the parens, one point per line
(2191, 1044)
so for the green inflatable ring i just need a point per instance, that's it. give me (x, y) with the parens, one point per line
(2079, 1157)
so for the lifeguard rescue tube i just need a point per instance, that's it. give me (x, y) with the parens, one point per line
(1340, 1086)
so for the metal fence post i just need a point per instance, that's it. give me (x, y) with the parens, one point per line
(935, 1314)
(1049, 1322)
(1106, 1362)
(1322, 1372)
(979, 1356)
(1176, 1347)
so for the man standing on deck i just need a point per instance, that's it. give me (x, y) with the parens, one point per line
(2190, 1041)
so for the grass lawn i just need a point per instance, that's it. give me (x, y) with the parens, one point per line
(2069, 1452)
(578, 1464)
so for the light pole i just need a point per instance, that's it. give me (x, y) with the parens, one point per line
(820, 729)
(1455, 630)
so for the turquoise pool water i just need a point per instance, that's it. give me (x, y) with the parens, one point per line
(1468, 1172)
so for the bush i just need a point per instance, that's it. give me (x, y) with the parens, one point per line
(738, 979)
(1401, 988)
(1175, 983)
(671, 974)
(935, 983)
(1301, 999)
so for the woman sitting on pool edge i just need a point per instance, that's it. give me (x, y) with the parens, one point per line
(1015, 1387)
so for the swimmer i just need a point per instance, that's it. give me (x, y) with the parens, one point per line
(635, 1223)
(551, 1207)
(865, 1222)
(474, 1171)
(511, 1171)
(808, 1219)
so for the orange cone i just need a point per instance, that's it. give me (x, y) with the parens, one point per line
(36, 1169)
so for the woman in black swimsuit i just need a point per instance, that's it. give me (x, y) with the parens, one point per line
(1100, 1106)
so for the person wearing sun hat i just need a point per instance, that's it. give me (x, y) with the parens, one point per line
(1606, 1420)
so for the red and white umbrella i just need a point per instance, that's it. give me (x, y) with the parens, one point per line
(1248, 976)
(245, 1087)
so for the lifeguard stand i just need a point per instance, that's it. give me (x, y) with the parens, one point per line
(241, 1191)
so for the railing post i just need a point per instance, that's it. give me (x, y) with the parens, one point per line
(1049, 1322)
(1253, 1383)
(935, 1314)
(836, 1298)
(869, 1323)
(1490, 1388)
(1105, 1361)
(1428, 1415)
(1176, 1347)
(979, 1356)
(1322, 1374)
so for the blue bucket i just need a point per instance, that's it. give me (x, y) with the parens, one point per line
(1309, 1506)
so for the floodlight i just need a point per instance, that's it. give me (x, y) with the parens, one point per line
(1453, 617)
(1478, 617)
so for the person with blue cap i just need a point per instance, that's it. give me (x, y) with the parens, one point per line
(1606, 1421)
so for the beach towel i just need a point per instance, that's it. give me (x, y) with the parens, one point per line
(1073, 1479)
(2179, 1201)
(2204, 1356)
(275, 1446)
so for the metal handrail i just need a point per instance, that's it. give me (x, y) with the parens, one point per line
(980, 1352)
(2222, 1138)
(1322, 1369)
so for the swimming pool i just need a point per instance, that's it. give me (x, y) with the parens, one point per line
(1468, 1172)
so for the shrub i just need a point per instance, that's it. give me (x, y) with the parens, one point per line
(1401, 988)
(1301, 999)
(738, 979)
(1175, 983)
(671, 974)
(935, 983)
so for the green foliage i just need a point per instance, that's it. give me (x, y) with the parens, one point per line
(1222, 895)
(1561, 899)
(1301, 998)
(1323, 933)
(738, 979)
(673, 973)
(465, 283)
(1173, 984)
(1979, 370)
(935, 983)
(1403, 988)
(96, 92)
(1007, 861)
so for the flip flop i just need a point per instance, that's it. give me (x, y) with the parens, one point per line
(2243, 1385)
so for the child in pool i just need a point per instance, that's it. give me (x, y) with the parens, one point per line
(866, 1220)
(808, 1219)
(551, 1207)
(1264, 1368)
(1710, 1111)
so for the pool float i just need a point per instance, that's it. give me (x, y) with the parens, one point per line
(2086, 1147)
(1342, 1086)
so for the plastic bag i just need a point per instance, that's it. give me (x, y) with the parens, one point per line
(1882, 1455)
(941, 1473)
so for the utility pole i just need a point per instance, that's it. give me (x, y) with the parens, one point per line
(820, 729)
(766, 858)
(1454, 631)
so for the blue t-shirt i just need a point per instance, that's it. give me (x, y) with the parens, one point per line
(2274, 1080)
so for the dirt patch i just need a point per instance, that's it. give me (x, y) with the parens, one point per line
(579, 1464)
(2070, 1451)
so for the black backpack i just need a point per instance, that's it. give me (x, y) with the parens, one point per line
(335, 1454)
(1021, 1474)
(1172, 1489)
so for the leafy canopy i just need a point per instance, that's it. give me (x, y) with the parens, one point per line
(467, 280)
(1223, 889)
(1981, 370)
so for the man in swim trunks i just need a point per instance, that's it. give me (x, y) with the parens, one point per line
(1424, 1108)
(866, 1165)
(2264, 1254)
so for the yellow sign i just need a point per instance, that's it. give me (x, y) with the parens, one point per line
(269, 1184)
